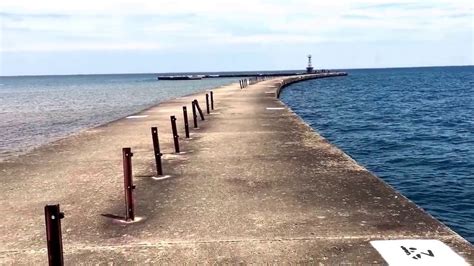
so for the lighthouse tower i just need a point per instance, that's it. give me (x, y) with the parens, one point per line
(309, 68)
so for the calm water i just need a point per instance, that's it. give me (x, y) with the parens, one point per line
(38, 110)
(412, 127)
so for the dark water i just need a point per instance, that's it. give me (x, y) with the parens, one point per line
(39, 109)
(412, 127)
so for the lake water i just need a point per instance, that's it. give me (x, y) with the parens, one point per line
(413, 127)
(36, 110)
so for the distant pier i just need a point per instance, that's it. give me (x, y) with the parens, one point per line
(239, 75)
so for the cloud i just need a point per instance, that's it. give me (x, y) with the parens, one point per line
(397, 5)
(358, 17)
(53, 25)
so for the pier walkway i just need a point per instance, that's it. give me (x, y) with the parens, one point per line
(254, 184)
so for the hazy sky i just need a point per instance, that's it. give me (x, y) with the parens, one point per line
(125, 36)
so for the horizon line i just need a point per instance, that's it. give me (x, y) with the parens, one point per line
(231, 71)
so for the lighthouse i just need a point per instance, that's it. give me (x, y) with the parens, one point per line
(309, 68)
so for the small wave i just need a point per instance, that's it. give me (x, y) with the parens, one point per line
(397, 127)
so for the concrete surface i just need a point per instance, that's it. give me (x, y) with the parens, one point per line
(254, 185)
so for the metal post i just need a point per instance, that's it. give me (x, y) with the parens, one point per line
(54, 240)
(207, 104)
(186, 124)
(156, 148)
(212, 100)
(194, 115)
(128, 184)
(199, 109)
(175, 133)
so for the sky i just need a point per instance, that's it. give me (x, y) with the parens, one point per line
(52, 37)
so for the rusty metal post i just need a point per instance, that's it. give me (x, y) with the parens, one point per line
(199, 109)
(128, 184)
(212, 100)
(156, 148)
(194, 115)
(186, 124)
(207, 104)
(175, 133)
(54, 240)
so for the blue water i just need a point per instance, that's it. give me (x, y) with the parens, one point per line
(412, 127)
(36, 110)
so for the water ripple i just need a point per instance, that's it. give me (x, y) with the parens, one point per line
(413, 127)
(38, 110)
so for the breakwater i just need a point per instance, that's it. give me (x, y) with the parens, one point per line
(239, 75)
(252, 184)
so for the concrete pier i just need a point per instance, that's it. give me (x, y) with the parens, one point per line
(253, 184)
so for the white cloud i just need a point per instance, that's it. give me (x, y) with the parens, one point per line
(206, 7)
(84, 46)
(114, 24)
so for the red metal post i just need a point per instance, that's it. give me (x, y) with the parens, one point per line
(199, 109)
(54, 240)
(175, 133)
(207, 104)
(194, 115)
(128, 184)
(212, 100)
(156, 148)
(186, 124)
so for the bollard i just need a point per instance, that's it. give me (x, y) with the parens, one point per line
(128, 184)
(199, 109)
(175, 133)
(212, 100)
(194, 115)
(156, 148)
(54, 240)
(186, 124)
(207, 104)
